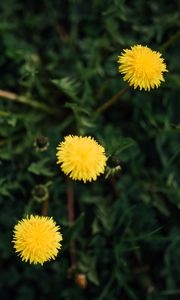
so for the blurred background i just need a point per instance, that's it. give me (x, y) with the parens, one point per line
(58, 63)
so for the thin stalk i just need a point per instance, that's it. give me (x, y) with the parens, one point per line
(33, 103)
(45, 207)
(170, 41)
(4, 113)
(70, 203)
(70, 212)
(112, 100)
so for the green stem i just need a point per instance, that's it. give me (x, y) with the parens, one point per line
(4, 113)
(112, 100)
(170, 41)
(21, 99)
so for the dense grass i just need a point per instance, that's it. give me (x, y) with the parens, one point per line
(58, 66)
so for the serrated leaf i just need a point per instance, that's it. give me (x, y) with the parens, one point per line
(40, 168)
(68, 86)
(92, 276)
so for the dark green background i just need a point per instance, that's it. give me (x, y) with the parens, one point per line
(60, 58)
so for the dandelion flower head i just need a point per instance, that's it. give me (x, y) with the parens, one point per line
(82, 158)
(37, 239)
(142, 67)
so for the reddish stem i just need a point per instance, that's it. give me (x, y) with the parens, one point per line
(70, 212)
(45, 207)
(70, 203)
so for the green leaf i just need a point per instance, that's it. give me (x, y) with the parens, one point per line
(40, 168)
(69, 86)
(73, 232)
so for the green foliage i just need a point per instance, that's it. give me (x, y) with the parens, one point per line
(58, 58)
(69, 86)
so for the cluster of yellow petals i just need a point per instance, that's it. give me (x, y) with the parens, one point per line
(81, 158)
(142, 67)
(37, 239)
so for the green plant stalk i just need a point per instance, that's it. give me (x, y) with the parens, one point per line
(112, 100)
(22, 99)
(70, 212)
(4, 113)
(170, 41)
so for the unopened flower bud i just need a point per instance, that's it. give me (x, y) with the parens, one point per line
(41, 143)
(40, 193)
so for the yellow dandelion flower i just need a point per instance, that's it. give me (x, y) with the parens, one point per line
(142, 67)
(37, 239)
(82, 158)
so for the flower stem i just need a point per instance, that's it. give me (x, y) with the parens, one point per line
(112, 100)
(45, 207)
(70, 203)
(22, 99)
(4, 113)
(70, 212)
(170, 41)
